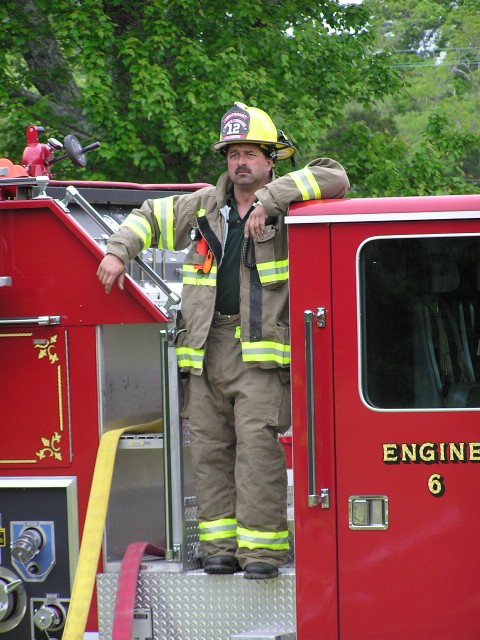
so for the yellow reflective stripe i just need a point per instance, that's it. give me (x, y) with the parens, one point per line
(262, 539)
(307, 184)
(266, 351)
(200, 213)
(140, 226)
(273, 271)
(163, 212)
(189, 357)
(190, 275)
(238, 331)
(217, 529)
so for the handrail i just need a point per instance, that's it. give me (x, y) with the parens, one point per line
(167, 446)
(314, 498)
(40, 320)
(73, 194)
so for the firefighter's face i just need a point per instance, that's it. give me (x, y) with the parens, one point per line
(248, 166)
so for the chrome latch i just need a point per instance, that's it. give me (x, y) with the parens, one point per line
(368, 512)
(321, 317)
(323, 499)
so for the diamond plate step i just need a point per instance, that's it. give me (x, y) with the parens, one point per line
(196, 606)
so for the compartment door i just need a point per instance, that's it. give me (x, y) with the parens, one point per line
(34, 398)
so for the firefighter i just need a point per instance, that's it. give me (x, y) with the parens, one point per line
(235, 340)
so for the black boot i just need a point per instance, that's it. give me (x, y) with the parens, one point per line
(219, 565)
(260, 571)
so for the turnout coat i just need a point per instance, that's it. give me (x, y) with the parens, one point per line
(167, 223)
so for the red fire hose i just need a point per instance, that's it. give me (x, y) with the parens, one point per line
(127, 587)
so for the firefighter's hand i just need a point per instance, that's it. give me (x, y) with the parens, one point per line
(255, 225)
(111, 268)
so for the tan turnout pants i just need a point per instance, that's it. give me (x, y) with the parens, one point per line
(236, 413)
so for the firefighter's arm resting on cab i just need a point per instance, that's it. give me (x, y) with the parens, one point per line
(320, 179)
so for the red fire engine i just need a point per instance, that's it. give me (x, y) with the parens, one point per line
(97, 510)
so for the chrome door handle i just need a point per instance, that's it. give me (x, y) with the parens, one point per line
(323, 498)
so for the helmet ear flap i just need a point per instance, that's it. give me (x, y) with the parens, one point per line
(282, 138)
(270, 151)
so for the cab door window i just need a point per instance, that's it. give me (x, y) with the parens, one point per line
(420, 322)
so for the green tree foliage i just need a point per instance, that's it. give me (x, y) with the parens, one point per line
(424, 140)
(151, 79)
(412, 25)
(381, 163)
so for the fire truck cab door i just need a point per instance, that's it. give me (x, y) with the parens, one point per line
(406, 377)
(396, 369)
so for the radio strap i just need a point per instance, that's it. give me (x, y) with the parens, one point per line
(212, 240)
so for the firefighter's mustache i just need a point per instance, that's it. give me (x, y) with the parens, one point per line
(242, 170)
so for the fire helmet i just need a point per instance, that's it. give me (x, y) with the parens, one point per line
(249, 124)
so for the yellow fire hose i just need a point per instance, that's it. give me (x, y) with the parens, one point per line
(91, 545)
